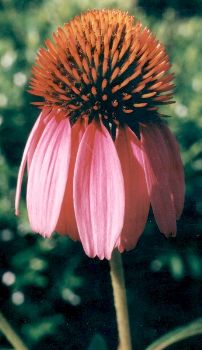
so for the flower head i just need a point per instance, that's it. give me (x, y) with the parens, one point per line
(100, 152)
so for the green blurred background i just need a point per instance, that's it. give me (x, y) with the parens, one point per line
(52, 294)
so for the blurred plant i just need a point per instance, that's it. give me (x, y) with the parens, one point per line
(12, 337)
(177, 335)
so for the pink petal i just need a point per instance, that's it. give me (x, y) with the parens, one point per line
(67, 221)
(156, 163)
(98, 191)
(176, 170)
(46, 115)
(48, 176)
(31, 144)
(137, 201)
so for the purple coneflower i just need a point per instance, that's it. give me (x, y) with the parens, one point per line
(100, 152)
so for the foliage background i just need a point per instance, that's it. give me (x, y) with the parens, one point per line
(52, 294)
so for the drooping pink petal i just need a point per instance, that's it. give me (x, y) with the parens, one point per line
(67, 221)
(156, 164)
(136, 196)
(46, 115)
(176, 170)
(30, 147)
(98, 191)
(48, 176)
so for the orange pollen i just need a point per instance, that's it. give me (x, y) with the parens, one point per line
(103, 64)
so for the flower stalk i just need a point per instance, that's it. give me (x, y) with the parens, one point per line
(120, 301)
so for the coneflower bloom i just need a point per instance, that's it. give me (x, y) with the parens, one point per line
(100, 152)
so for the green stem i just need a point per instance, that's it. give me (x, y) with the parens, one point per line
(120, 301)
(181, 333)
(10, 334)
